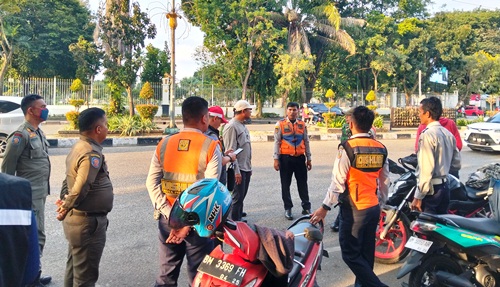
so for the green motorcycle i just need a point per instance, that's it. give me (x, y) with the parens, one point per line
(450, 250)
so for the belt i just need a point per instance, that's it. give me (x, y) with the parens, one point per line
(88, 213)
(438, 181)
(289, 155)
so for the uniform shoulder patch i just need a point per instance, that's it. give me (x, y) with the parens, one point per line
(16, 138)
(183, 145)
(95, 161)
(339, 153)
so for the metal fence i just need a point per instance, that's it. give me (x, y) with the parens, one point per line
(57, 92)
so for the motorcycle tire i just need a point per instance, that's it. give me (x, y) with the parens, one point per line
(423, 275)
(392, 248)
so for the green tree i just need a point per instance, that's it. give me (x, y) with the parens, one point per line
(291, 69)
(50, 27)
(88, 57)
(156, 64)
(7, 37)
(123, 34)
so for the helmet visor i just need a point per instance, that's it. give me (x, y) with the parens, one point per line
(180, 218)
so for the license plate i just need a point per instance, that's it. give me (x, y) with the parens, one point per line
(222, 270)
(418, 244)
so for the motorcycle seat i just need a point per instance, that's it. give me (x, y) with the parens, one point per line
(465, 208)
(302, 248)
(475, 194)
(480, 225)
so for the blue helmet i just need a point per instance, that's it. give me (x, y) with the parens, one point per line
(204, 206)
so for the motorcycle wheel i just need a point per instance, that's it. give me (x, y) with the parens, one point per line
(392, 248)
(424, 274)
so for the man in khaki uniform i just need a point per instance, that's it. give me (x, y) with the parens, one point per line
(27, 156)
(86, 199)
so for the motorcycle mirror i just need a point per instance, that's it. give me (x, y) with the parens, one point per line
(313, 234)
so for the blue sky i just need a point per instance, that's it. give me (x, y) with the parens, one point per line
(189, 37)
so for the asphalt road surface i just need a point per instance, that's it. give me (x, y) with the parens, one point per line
(130, 255)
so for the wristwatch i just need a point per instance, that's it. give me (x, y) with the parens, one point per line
(326, 207)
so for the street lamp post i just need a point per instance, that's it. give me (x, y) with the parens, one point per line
(172, 17)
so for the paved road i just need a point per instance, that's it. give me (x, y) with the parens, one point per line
(130, 256)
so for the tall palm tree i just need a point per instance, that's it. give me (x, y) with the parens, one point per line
(312, 29)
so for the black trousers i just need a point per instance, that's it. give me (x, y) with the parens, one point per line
(294, 165)
(194, 248)
(239, 194)
(439, 201)
(357, 243)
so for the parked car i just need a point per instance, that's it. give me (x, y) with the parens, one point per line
(338, 111)
(473, 111)
(322, 108)
(484, 136)
(11, 116)
(317, 108)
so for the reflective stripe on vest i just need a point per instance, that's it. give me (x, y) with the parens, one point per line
(367, 157)
(292, 141)
(184, 157)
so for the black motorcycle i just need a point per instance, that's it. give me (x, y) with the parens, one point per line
(394, 224)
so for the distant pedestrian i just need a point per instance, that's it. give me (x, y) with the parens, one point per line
(85, 201)
(236, 135)
(292, 156)
(27, 156)
(360, 181)
(437, 154)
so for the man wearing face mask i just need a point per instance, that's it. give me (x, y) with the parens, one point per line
(26, 156)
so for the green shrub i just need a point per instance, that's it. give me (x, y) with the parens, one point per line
(378, 122)
(270, 115)
(130, 126)
(147, 92)
(72, 118)
(147, 111)
(77, 103)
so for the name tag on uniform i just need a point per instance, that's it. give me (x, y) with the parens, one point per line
(173, 188)
(369, 160)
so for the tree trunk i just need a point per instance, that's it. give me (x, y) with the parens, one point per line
(258, 114)
(130, 101)
(247, 75)
(375, 81)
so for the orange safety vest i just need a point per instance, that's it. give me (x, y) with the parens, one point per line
(292, 137)
(367, 157)
(184, 157)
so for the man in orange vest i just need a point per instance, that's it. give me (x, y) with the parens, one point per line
(292, 155)
(360, 181)
(179, 161)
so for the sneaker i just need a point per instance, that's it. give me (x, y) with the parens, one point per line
(288, 214)
(243, 214)
(334, 227)
(306, 211)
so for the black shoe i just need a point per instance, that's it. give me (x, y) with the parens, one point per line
(306, 211)
(45, 279)
(243, 214)
(288, 214)
(334, 227)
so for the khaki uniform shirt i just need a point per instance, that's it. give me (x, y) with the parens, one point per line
(437, 153)
(87, 186)
(27, 156)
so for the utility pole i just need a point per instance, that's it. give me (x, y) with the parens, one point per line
(172, 21)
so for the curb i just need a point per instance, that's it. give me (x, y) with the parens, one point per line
(154, 140)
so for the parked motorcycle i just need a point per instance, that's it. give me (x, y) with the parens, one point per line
(394, 224)
(450, 250)
(241, 267)
(252, 262)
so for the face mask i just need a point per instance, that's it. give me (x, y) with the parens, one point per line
(44, 114)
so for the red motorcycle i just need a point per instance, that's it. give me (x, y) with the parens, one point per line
(242, 267)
